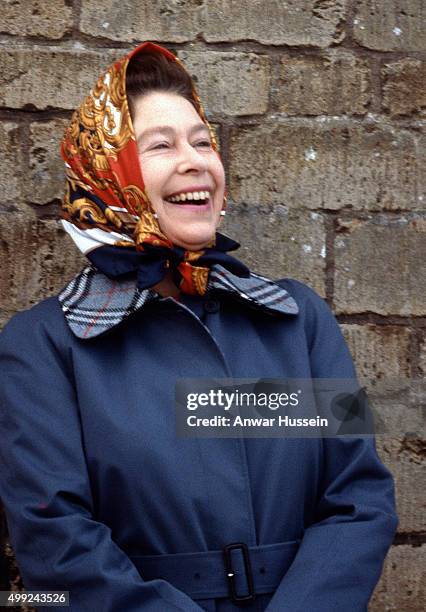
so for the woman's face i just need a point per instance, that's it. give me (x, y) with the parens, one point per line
(177, 159)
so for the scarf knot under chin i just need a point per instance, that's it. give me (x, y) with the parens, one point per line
(153, 263)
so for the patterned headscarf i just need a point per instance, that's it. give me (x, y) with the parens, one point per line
(106, 209)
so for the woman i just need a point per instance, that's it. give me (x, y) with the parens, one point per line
(110, 505)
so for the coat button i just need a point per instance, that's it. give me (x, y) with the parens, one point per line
(211, 306)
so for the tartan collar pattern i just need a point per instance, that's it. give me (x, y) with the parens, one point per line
(92, 303)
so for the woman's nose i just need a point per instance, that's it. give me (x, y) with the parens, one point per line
(191, 159)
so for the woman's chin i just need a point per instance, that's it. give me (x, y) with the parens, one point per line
(193, 242)
(191, 235)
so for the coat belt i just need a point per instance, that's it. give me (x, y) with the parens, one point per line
(203, 575)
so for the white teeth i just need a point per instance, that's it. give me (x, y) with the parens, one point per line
(194, 195)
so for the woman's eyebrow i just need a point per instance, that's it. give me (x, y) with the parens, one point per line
(167, 129)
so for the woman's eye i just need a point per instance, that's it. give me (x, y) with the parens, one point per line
(203, 143)
(161, 145)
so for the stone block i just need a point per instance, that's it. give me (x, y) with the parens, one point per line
(11, 163)
(377, 265)
(140, 20)
(410, 488)
(36, 18)
(379, 351)
(230, 83)
(46, 176)
(316, 23)
(38, 259)
(279, 243)
(404, 92)
(402, 585)
(394, 25)
(405, 457)
(50, 77)
(422, 362)
(324, 164)
(335, 83)
(421, 156)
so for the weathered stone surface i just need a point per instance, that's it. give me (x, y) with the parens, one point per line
(382, 359)
(409, 471)
(308, 22)
(230, 83)
(421, 157)
(36, 18)
(47, 77)
(322, 164)
(394, 25)
(402, 585)
(404, 91)
(334, 83)
(235, 83)
(280, 243)
(423, 356)
(37, 259)
(11, 162)
(163, 20)
(379, 351)
(377, 265)
(46, 177)
(316, 23)
(406, 457)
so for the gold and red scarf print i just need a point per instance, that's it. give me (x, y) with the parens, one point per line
(105, 201)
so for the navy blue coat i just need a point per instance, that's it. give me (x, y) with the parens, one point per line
(103, 500)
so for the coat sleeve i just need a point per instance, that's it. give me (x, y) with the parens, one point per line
(45, 488)
(341, 555)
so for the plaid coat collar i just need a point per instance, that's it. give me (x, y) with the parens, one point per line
(92, 303)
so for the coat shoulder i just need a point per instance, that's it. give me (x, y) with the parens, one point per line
(44, 319)
(315, 314)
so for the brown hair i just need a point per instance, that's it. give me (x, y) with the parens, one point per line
(148, 72)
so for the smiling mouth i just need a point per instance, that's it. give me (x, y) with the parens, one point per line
(196, 198)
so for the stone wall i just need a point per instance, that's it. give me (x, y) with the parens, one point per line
(320, 106)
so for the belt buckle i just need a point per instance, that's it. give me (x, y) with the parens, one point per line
(243, 599)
